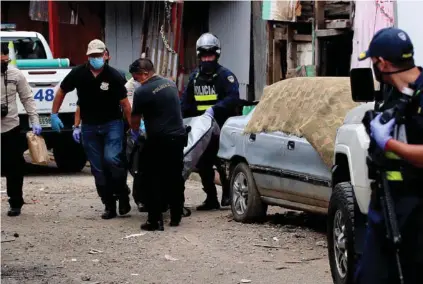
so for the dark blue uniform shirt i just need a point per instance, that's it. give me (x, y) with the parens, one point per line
(226, 87)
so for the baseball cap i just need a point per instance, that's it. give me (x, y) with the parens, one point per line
(391, 44)
(96, 46)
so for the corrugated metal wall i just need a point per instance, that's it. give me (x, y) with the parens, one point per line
(119, 34)
(260, 50)
(231, 22)
(124, 35)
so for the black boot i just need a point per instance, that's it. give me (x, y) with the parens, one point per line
(175, 216)
(13, 212)
(152, 225)
(209, 204)
(226, 198)
(124, 205)
(109, 211)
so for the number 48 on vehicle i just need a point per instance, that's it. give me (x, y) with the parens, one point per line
(44, 94)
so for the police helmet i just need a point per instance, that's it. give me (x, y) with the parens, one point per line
(208, 43)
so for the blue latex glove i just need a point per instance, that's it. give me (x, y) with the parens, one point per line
(210, 111)
(77, 134)
(142, 126)
(36, 129)
(56, 123)
(381, 132)
(135, 134)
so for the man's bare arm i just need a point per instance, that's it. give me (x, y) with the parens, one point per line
(126, 106)
(58, 100)
(135, 122)
(77, 116)
(411, 153)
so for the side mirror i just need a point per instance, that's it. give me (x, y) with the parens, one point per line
(362, 85)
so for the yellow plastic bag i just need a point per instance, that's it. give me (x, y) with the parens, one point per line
(37, 149)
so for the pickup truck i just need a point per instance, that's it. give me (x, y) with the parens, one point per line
(69, 156)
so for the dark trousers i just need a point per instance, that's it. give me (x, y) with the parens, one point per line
(378, 262)
(206, 171)
(103, 145)
(162, 167)
(12, 165)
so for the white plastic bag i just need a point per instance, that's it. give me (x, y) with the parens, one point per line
(37, 149)
(203, 128)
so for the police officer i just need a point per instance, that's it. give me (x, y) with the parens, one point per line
(158, 103)
(213, 89)
(101, 97)
(391, 52)
(12, 162)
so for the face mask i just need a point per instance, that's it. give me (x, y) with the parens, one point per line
(208, 67)
(4, 67)
(96, 62)
(378, 73)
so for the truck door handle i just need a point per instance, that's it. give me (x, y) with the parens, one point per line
(252, 137)
(43, 84)
(291, 145)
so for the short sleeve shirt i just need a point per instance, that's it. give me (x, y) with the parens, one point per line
(98, 97)
(157, 101)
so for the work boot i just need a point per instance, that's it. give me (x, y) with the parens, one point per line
(156, 226)
(209, 204)
(175, 216)
(109, 211)
(226, 200)
(124, 205)
(174, 222)
(13, 212)
(186, 212)
(153, 225)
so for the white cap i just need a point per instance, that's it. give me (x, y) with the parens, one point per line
(96, 46)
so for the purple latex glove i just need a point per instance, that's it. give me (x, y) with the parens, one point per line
(36, 129)
(135, 134)
(210, 111)
(77, 134)
(381, 132)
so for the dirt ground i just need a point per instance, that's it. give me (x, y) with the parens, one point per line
(60, 238)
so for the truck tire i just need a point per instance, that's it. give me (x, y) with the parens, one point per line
(69, 157)
(246, 204)
(340, 234)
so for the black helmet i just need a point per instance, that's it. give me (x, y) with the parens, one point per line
(208, 43)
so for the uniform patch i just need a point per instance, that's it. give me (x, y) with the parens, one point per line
(402, 36)
(104, 86)
(231, 79)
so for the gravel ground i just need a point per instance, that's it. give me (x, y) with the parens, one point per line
(60, 238)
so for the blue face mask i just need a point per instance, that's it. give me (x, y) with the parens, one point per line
(96, 62)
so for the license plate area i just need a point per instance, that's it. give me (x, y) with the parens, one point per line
(45, 121)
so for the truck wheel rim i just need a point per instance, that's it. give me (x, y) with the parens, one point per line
(240, 193)
(340, 244)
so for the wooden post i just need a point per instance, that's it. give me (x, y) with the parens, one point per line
(53, 27)
(270, 37)
(277, 68)
(319, 14)
(291, 45)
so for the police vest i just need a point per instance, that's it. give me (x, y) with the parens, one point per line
(414, 130)
(205, 93)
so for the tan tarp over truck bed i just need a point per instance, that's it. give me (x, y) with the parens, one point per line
(309, 107)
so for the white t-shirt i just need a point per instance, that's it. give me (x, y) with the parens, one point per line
(130, 86)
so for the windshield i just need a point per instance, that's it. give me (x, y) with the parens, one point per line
(26, 48)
